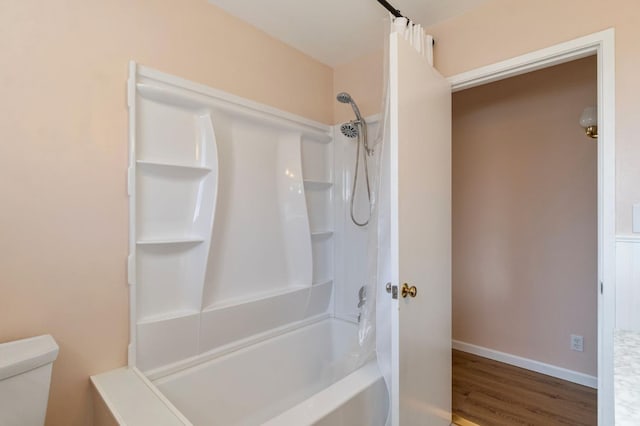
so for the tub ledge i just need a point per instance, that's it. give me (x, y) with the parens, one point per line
(132, 400)
(330, 399)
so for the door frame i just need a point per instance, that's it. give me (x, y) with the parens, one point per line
(603, 45)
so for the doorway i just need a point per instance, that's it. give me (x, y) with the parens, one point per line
(525, 242)
(602, 44)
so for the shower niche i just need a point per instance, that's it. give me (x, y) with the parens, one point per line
(231, 220)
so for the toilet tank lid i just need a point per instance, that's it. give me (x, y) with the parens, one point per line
(23, 355)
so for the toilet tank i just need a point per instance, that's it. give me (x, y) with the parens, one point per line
(25, 374)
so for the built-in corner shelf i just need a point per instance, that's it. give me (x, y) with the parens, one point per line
(317, 172)
(170, 241)
(156, 165)
(317, 184)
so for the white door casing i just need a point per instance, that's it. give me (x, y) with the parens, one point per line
(420, 190)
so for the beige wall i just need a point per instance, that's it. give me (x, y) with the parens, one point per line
(505, 28)
(501, 29)
(362, 79)
(525, 217)
(63, 157)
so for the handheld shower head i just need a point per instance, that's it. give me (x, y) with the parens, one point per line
(350, 129)
(357, 129)
(345, 98)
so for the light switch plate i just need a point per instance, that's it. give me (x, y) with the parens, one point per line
(635, 221)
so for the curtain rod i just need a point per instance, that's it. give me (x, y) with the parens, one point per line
(395, 12)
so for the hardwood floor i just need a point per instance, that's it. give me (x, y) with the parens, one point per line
(490, 393)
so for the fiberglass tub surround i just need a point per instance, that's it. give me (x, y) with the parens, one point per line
(233, 225)
(232, 271)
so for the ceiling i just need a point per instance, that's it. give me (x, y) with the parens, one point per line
(336, 31)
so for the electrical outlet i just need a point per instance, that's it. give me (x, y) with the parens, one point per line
(577, 343)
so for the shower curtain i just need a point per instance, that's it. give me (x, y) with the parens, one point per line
(423, 43)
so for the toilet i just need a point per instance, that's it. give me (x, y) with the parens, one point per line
(25, 374)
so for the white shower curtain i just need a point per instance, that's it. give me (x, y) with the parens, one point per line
(415, 35)
(378, 272)
(422, 42)
(374, 328)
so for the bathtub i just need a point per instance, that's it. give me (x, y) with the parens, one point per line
(308, 376)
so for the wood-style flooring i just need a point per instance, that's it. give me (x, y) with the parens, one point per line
(490, 393)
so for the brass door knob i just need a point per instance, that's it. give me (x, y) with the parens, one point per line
(409, 291)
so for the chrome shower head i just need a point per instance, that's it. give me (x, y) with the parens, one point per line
(350, 129)
(345, 98)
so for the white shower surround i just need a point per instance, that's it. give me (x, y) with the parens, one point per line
(225, 229)
(252, 310)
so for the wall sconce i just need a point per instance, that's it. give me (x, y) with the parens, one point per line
(589, 121)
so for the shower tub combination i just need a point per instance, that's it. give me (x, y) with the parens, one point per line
(237, 316)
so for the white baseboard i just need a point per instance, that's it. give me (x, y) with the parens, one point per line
(529, 364)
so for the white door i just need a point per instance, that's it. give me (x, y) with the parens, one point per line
(420, 186)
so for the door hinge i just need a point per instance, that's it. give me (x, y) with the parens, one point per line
(601, 288)
(393, 290)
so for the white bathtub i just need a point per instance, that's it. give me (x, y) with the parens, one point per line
(298, 378)
(303, 377)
